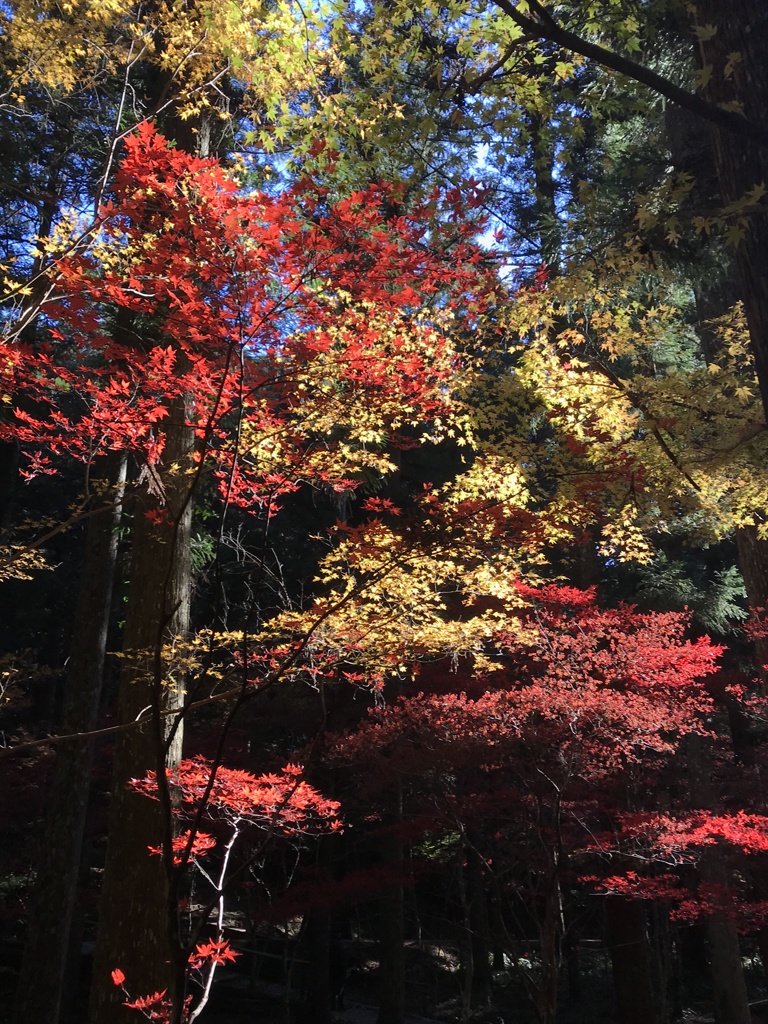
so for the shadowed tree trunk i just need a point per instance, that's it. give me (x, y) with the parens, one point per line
(317, 997)
(729, 986)
(392, 931)
(479, 925)
(136, 918)
(628, 946)
(753, 563)
(323, 968)
(551, 932)
(731, 1000)
(752, 551)
(138, 911)
(548, 219)
(391, 945)
(741, 28)
(25, 327)
(39, 992)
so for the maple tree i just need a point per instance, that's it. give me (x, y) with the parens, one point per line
(318, 298)
(298, 311)
(278, 804)
(541, 753)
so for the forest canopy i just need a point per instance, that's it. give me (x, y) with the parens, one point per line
(383, 511)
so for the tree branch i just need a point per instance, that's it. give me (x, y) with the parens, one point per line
(544, 26)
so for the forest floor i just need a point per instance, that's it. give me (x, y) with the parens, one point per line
(243, 995)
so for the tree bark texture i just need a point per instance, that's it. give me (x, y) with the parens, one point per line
(731, 1000)
(137, 918)
(39, 992)
(753, 563)
(729, 986)
(742, 28)
(480, 929)
(551, 932)
(543, 159)
(628, 945)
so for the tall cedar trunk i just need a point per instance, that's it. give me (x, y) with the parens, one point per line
(479, 927)
(693, 960)
(730, 990)
(138, 910)
(752, 551)
(137, 916)
(316, 1007)
(742, 29)
(753, 563)
(466, 947)
(317, 994)
(731, 1000)
(628, 946)
(549, 228)
(573, 968)
(551, 931)
(39, 993)
(391, 920)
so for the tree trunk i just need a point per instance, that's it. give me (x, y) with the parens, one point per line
(628, 946)
(25, 326)
(573, 971)
(392, 935)
(730, 990)
(479, 926)
(137, 913)
(731, 1000)
(138, 916)
(317, 987)
(39, 993)
(742, 29)
(752, 550)
(551, 931)
(548, 218)
(466, 946)
(753, 564)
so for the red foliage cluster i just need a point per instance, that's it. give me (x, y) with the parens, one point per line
(195, 288)
(585, 691)
(537, 759)
(281, 802)
(155, 1007)
(684, 837)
